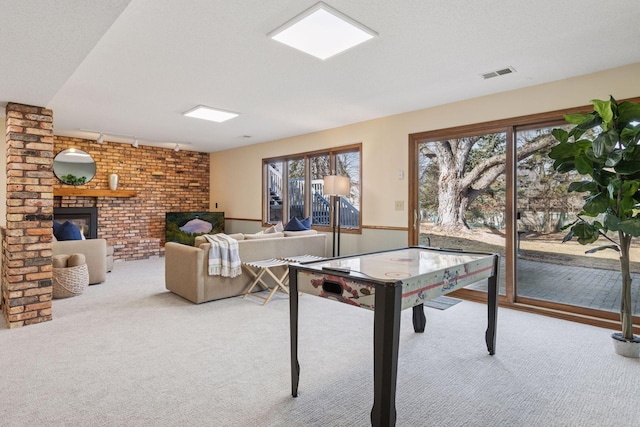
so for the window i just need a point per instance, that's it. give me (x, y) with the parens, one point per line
(293, 186)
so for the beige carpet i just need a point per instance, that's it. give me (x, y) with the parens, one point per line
(129, 353)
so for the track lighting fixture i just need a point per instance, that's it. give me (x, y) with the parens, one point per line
(135, 141)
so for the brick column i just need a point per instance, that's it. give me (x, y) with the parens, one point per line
(26, 252)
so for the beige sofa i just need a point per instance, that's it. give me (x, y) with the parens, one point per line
(186, 267)
(94, 250)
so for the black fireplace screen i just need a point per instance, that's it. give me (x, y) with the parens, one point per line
(86, 219)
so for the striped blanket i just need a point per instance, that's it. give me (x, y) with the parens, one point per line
(224, 259)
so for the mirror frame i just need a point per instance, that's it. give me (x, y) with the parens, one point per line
(67, 171)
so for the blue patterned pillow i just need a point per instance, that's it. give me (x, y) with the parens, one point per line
(68, 231)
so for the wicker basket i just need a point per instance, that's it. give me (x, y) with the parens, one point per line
(70, 281)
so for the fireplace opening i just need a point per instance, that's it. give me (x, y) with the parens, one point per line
(86, 219)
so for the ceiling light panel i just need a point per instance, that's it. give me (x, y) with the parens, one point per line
(322, 31)
(212, 114)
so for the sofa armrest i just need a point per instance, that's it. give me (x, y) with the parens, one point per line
(95, 252)
(183, 266)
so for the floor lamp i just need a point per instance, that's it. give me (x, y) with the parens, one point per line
(336, 186)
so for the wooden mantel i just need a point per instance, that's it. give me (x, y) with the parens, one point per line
(92, 192)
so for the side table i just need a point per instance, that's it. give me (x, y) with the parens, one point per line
(259, 268)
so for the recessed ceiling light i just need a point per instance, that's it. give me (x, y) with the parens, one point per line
(212, 114)
(322, 31)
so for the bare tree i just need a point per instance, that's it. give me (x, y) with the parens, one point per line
(464, 175)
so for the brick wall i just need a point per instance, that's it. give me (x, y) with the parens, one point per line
(26, 252)
(166, 181)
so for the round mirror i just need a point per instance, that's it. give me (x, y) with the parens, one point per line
(74, 167)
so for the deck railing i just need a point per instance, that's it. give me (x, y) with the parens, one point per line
(320, 203)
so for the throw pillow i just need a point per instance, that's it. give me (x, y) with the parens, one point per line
(296, 225)
(59, 261)
(68, 231)
(306, 223)
(276, 228)
(76, 260)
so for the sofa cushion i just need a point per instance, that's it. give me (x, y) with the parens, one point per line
(201, 240)
(262, 235)
(68, 231)
(299, 233)
(296, 225)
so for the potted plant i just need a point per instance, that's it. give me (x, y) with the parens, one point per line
(612, 161)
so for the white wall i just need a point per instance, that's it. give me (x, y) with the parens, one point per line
(236, 178)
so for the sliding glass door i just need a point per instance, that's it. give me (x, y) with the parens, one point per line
(492, 187)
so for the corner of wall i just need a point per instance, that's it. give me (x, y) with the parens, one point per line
(3, 171)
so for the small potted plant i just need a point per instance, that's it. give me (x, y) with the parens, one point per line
(612, 203)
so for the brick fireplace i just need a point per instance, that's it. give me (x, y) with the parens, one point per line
(163, 181)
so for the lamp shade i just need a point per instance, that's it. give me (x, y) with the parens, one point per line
(336, 185)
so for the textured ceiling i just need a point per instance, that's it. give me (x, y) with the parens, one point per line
(132, 67)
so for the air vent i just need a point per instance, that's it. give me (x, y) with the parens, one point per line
(497, 73)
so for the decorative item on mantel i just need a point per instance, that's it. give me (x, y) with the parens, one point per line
(113, 181)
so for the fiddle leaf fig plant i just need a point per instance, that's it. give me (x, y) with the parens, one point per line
(611, 160)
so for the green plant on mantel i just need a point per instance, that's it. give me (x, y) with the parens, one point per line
(71, 179)
(612, 203)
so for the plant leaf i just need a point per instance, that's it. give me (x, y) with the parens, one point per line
(561, 135)
(631, 226)
(596, 204)
(630, 135)
(601, 248)
(626, 167)
(582, 186)
(626, 206)
(603, 108)
(605, 143)
(563, 150)
(583, 165)
(629, 188)
(612, 222)
(614, 158)
(576, 119)
(585, 233)
(568, 237)
(628, 112)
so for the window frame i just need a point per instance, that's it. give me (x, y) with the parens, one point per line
(332, 152)
(511, 126)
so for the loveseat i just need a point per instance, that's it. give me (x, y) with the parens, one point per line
(186, 267)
